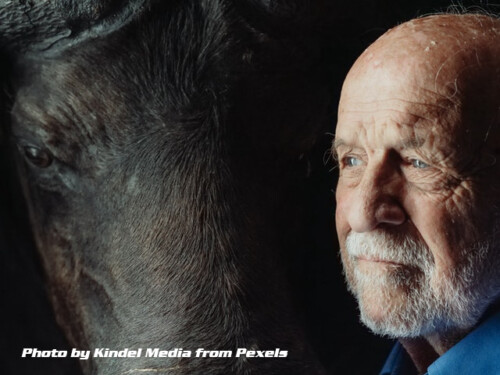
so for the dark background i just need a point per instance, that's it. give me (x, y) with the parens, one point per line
(343, 345)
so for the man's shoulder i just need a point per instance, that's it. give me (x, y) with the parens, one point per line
(477, 353)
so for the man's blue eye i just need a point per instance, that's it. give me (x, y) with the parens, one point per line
(419, 164)
(351, 161)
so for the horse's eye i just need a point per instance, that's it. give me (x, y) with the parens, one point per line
(37, 156)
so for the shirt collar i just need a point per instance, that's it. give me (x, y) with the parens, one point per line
(478, 353)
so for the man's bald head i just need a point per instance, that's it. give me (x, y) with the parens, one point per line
(453, 58)
(437, 44)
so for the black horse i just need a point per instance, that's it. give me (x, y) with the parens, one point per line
(160, 148)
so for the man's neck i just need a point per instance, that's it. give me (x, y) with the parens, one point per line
(425, 350)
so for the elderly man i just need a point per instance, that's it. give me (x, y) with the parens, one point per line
(418, 197)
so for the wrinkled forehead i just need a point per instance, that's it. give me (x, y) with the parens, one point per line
(442, 71)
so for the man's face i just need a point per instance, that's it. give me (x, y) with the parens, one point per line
(415, 216)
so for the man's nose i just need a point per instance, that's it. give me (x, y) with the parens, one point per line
(377, 200)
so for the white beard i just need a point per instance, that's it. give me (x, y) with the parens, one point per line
(412, 300)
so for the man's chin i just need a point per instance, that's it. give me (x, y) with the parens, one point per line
(390, 324)
(388, 312)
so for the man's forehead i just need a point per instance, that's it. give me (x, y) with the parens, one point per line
(411, 78)
(406, 139)
(400, 116)
(407, 105)
(384, 134)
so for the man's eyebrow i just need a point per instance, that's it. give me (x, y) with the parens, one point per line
(405, 142)
(412, 142)
(337, 142)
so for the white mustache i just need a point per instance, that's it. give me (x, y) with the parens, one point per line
(389, 248)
